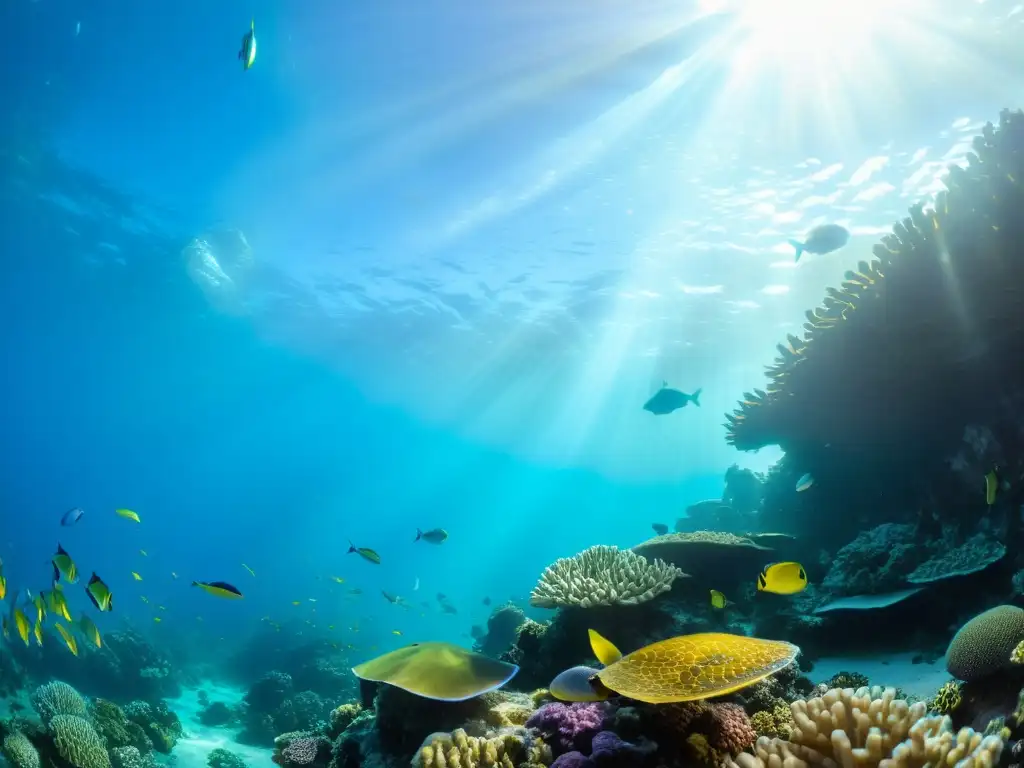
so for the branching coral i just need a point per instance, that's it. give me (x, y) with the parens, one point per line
(602, 576)
(871, 728)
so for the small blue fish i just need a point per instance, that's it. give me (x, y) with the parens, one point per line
(72, 516)
(805, 482)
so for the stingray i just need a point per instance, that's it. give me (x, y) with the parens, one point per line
(438, 671)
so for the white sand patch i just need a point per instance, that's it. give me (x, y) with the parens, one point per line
(894, 671)
(192, 750)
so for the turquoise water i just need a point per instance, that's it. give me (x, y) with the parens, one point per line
(421, 266)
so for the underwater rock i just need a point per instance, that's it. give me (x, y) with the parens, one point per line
(216, 713)
(744, 490)
(502, 630)
(878, 560)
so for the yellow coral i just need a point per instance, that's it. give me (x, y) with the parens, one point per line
(871, 728)
(776, 722)
(947, 698)
(509, 713)
(459, 750)
(1017, 654)
(704, 752)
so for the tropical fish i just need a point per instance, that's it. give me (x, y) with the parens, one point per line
(37, 630)
(438, 671)
(822, 239)
(666, 672)
(219, 589)
(365, 553)
(128, 514)
(58, 603)
(433, 536)
(64, 566)
(21, 624)
(91, 632)
(782, 579)
(250, 570)
(337, 579)
(805, 482)
(174, 575)
(71, 517)
(666, 400)
(40, 605)
(142, 552)
(391, 598)
(659, 528)
(136, 576)
(3, 586)
(296, 602)
(718, 600)
(991, 486)
(396, 632)
(157, 619)
(144, 599)
(99, 593)
(247, 53)
(69, 639)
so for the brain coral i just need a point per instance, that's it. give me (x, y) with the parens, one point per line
(984, 644)
(58, 698)
(78, 743)
(19, 751)
(602, 576)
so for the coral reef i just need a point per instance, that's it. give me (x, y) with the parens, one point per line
(77, 742)
(602, 575)
(711, 558)
(19, 751)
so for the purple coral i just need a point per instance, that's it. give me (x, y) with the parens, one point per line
(608, 751)
(572, 759)
(568, 727)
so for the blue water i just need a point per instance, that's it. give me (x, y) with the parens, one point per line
(479, 236)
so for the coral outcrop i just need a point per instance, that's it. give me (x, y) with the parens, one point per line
(602, 575)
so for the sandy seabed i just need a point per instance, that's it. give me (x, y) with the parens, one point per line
(895, 671)
(192, 750)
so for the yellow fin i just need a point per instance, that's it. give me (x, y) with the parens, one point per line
(603, 649)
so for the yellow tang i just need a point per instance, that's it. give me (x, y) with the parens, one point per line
(59, 604)
(69, 639)
(38, 632)
(136, 576)
(782, 579)
(219, 589)
(99, 593)
(90, 631)
(39, 601)
(438, 671)
(991, 486)
(64, 566)
(686, 668)
(128, 514)
(21, 624)
(3, 586)
(718, 600)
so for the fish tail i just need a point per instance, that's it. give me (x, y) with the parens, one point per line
(799, 248)
(351, 547)
(419, 535)
(695, 397)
